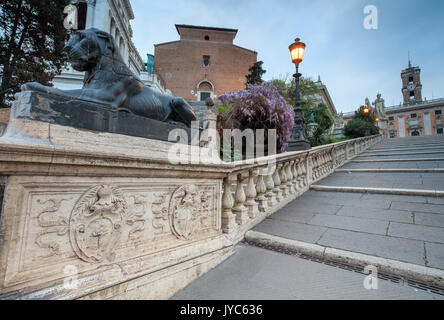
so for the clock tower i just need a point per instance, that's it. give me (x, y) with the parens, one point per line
(411, 84)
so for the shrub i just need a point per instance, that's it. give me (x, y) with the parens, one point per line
(259, 107)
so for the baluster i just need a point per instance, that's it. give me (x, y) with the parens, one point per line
(305, 171)
(283, 178)
(270, 186)
(321, 171)
(261, 188)
(296, 175)
(328, 162)
(315, 167)
(251, 204)
(290, 184)
(299, 174)
(309, 169)
(228, 217)
(277, 184)
(241, 210)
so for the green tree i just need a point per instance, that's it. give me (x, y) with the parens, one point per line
(256, 73)
(287, 89)
(355, 128)
(308, 90)
(32, 37)
(324, 121)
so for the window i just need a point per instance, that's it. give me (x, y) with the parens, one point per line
(83, 9)
(206, 61)
(439, 131)
(410, 79)
(413, 115)
(438, 112)
(391, 118)
(207, 38)
(412, 93)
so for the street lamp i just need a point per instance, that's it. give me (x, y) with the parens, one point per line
(298, 140)
(366, 111)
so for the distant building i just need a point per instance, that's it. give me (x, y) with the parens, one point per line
(150, 63)
(112, 16)
(415, 116)
(325, 98)
(203, 63)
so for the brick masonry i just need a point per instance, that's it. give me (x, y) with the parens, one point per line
(180, 63)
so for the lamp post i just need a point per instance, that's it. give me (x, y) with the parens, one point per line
(298, 140)
(366, 111)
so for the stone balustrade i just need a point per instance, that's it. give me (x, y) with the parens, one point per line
(253, 192)
(89, 215)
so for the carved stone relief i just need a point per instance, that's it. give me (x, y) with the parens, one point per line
(103, 218)
(96, 223)
(189, 210)
(50, 223)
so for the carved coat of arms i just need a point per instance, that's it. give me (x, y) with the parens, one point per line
(96, 222)
(183, 211)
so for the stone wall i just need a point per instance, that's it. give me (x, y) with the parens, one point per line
(4, 119)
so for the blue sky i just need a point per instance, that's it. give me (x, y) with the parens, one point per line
(352, 61)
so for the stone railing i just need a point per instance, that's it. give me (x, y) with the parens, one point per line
(253, 192)
(99, 215)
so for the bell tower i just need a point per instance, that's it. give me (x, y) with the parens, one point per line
(411, 84)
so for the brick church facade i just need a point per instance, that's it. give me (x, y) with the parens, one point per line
(203, 63)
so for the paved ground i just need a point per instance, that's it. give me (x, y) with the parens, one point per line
(403, 228)
(258, 274)
(422, 181)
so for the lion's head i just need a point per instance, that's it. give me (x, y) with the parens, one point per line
(86, 47)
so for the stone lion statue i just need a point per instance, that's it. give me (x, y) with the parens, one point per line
(109, 81)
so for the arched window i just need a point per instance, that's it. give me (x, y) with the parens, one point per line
(207, 38)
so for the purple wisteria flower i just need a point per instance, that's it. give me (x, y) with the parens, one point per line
(261, 107)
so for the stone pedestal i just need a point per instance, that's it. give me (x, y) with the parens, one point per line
(91, 214)
(86, 115)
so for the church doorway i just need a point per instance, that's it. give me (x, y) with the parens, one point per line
(415, 133)
(205, 90)
(204, 96)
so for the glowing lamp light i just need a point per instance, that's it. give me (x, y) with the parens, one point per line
(377, 119)
(297, 50)
(366, 110)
